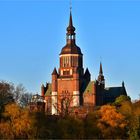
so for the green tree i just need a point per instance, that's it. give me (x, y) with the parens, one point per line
(134, 121)
(90, 126)
(122, 98)
(70, 128)
(39, 126)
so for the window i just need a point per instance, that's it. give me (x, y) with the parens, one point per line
(66, 72)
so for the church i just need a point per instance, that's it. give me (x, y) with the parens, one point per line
(71, 85)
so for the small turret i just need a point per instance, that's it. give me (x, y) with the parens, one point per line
(123, 89)
(54, 80)
(101, 80)
(42, 90)
(54, 72)
(54, 91)
(123, 84)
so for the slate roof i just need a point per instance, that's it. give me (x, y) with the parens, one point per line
(54, 72)
(111, 93)
(49, 90)
(115, 91)
(89, 88)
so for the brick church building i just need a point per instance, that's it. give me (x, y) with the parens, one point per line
(70, 81)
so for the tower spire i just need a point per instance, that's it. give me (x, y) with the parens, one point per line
(70, 20)
(101, 79)
(101, 70)
(70, 28)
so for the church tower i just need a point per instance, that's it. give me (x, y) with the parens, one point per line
(68, 80)
(71, 58)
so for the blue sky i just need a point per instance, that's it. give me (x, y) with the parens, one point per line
(32, 33)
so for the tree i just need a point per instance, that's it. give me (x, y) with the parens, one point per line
(21, 96)
(64, 104)
(69, 128)
(6, 94)
(111, 123)
(90, 125)
(39, 125)
(134, 121)
(16, 122)
(122, 98)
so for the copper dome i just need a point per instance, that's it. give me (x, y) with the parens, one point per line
(71, 49)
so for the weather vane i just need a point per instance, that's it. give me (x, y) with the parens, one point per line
(70, 5)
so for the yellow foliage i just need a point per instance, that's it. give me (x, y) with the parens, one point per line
(110, 120)
(18, 123)
(5, 130)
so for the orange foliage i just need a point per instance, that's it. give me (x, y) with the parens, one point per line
(110, 121)
(18, 122)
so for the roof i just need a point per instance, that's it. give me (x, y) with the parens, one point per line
(54, 72)
(49, 90)
(70, 28)
(115, 91)
(89, 88)
(87, 72)
(71, 48)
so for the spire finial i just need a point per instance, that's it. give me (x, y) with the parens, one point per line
(70, 21)
(70, 28)
(70, 5)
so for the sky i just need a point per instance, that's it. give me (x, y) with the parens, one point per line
(33, 32)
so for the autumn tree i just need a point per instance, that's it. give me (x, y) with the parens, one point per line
(16, 122)
(122, 98)
(111, 123)
(133, 119)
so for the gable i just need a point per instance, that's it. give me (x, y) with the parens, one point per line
(89, 88)
(49, 90)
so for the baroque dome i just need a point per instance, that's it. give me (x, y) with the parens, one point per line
(71, 49)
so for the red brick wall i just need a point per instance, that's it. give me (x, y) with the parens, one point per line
(48, 104)
(65, 85)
